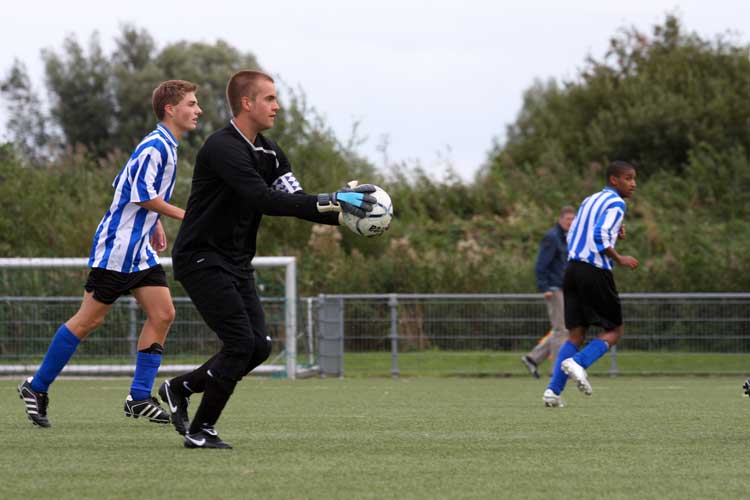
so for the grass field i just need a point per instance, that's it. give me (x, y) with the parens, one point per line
(645, 438)
(503, 363)
(495, 363)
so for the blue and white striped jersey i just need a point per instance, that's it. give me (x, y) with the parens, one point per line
(121, 242)
(596, 227)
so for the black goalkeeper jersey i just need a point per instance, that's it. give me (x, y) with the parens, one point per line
(234, 184)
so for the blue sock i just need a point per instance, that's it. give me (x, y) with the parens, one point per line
(595, 350)
(558, 380)
(59, 352)
(146, 368)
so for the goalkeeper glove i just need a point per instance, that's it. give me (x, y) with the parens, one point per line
(355, 200)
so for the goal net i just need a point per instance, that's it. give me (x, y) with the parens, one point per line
(38, 294)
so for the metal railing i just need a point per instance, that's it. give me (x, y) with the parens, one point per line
(398, 333)
(419, 326)
(20, 338)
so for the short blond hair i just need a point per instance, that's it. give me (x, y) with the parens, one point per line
(241, 84)
(170, 92)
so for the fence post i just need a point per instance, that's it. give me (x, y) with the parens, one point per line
(614, 370)
(133, 327)
(310, 357)
(331, 336)
(290, 318)
(393, 303)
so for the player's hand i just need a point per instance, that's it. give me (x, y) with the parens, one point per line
(628, 261)
(621, 233)
(548, 295)
(354, 200)
(159, 238)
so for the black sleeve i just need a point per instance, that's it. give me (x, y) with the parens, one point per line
(232, 162)
(285, 167)
(328, 218)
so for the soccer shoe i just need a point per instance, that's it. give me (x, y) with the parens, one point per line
(578, 375)
(147, 408)
(552, 400)
(746, 387)
(177, 406)
(530, 365)
(36, 403)
(206, 438)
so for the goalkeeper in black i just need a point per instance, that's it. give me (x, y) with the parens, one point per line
(239, 176)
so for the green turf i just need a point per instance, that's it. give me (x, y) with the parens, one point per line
(495, 363)
(500, 363)
(645, 438)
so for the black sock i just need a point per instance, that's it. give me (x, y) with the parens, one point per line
(217, 393)
(194, 381)
(153, 349)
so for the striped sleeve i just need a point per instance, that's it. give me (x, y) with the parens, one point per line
(608, 225)
(144, 171)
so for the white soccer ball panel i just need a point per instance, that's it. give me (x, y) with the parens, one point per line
(375, 222)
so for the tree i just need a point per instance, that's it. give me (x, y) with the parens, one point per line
(28, 125)
(650, 99)
(134, 76)
(81, 94)
(102, 102)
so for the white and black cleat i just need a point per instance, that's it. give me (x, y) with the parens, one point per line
(177, 404)
(206, 438)
(578, 375)
(147, 408)
(36, 403)
(552, 400)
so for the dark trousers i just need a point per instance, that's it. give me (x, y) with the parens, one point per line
(230, 306)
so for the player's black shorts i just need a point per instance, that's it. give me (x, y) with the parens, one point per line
(591, 297)
(108, 285)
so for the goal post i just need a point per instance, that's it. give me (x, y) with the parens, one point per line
(289, 369)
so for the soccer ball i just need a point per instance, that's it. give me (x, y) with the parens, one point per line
(375, 222)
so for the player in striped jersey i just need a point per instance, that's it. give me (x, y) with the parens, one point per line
(589, 290)
(124, 259)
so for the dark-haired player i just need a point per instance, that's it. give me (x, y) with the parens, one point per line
(590, 295)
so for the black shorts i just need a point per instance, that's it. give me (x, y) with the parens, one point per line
(591, 297)
(108, 285)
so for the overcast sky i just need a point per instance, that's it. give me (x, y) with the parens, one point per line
(437, 80)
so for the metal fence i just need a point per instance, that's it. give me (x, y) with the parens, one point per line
(19, 336)
(404, 333)
(27, 325)
(473, 334)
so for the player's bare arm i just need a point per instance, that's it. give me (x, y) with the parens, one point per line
(161, 207)
(159, 238)
(623, 260)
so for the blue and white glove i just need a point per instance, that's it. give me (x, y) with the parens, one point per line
(352, 199)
